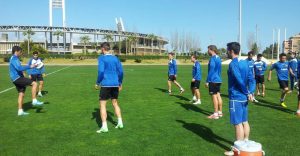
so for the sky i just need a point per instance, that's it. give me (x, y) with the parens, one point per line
(214, 21)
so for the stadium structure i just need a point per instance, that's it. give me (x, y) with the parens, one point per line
(139, 43)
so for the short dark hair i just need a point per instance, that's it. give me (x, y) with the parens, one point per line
(282, 54)
(172, 53)
(105, 45)
(195, 56)
(250, 53)
(213, 48)
(15, 48)
(259, 55)
(35, 53)
(235, 46)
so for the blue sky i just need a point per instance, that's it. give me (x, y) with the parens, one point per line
(214, 21)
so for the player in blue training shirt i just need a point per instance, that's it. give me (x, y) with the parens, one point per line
(282, 69)
(259, 69)
(110, 78)
(251, 68)
(293, 67)
(240, 89)
(17, 77)
(37, 74)
(172, 74)
(195, 84)
(214, 81)
(298, 74)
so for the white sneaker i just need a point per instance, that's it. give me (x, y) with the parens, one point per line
(181, 91)
(102, 130)
(119, 126)
(197, 102)
(254, 100)
(229, 153)
(40, 94)
(22, 113)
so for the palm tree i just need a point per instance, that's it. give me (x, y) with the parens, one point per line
(28, 33)
(85, 40)
(58, 34)
(152, 37)
(134, 41)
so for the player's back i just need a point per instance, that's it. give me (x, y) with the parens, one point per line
(110, 67)
(240, 68)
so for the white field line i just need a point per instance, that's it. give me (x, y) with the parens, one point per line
(8, 89)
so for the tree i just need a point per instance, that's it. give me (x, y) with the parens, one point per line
(254, 48)
(152, 37)
(28, 33)
(58, 34)
(132, 39)
(85, 40)
(268, 51)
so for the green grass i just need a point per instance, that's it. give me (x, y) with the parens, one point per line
(155, 123)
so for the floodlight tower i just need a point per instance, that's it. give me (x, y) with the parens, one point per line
(57, 4)
(240, 26)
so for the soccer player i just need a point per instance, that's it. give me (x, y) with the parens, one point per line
(298, 111)
(195, 84)
(293, 63)
(240, 89)
(110, 77)
(251, 68)
(214, 81)
(17, 77)
(259, 68)
(282, 69)
(172, 73)
(37, 74)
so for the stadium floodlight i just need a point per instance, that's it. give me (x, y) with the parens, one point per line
(57, 4)
(240, 25)
(120, 25)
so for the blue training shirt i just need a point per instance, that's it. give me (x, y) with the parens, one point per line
(298, 69)
(251, 65)
(282, 69)
(110, 71)
(35, 71)
(172, 67)
(240, 80)
(197, 71)
(260, 67)
(214, 70)
(293, 64)
(15, 68)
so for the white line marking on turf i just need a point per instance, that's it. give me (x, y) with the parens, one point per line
(8, 89)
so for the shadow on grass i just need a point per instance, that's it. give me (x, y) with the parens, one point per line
(181, 97)
(206, 134)
(194, 108)
(272, 89)
(38, 109)
(162, 90)
(273, 105)
(96, 117)
(44, 92)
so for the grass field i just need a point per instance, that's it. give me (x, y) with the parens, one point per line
(155, 123)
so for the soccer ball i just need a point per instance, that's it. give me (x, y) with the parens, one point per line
(296, 85)
(39, 65)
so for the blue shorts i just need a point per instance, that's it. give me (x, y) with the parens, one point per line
(238, 111)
